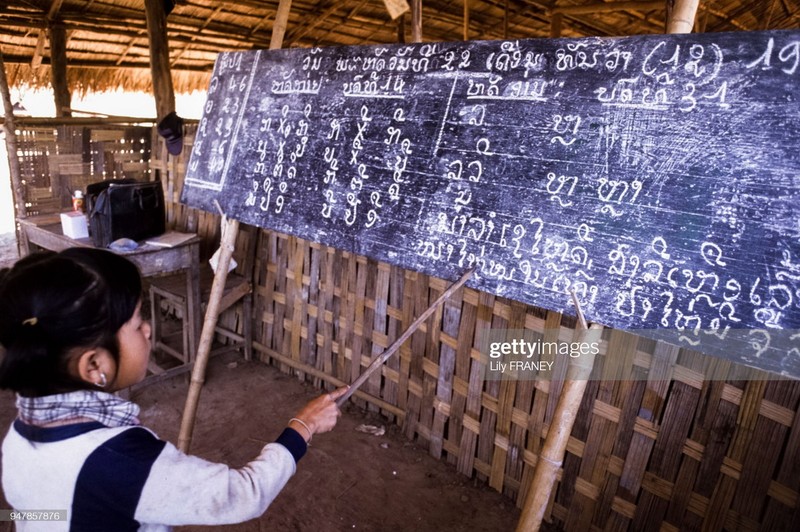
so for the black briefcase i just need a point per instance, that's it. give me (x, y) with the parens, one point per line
(124, 208)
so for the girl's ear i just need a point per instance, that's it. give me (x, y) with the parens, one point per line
(96, 366)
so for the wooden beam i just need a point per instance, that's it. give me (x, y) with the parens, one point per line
(58, 70)
(38, 52)
(124, 53)
(193, 38)
(505, 20)
(555, 25)
(51, 14)
(416, 20)
(280, 24)
(401, 30)
(311, 21)
(608, 7)
(465, 28)
(159, 57)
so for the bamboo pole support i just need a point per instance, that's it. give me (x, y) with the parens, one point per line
(228, 240)
(555, 444)
(378, 362)
(230, 230)
(681, 15)
(280, 24)
(401, 30)
(11, 147)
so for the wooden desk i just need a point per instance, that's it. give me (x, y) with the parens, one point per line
(45, 232)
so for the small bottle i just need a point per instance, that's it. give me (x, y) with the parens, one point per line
(77, 201)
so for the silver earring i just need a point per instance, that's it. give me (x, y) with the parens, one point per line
(103, 381)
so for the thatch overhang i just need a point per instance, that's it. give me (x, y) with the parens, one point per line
(107, 45)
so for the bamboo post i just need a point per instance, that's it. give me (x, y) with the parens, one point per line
(228, 240)
(230, 230)
(555, 443)
(378, 362)
(505, 20)
(11, 147)
(279, 26)
(680, 15)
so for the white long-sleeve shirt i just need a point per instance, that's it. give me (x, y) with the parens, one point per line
(127, 479)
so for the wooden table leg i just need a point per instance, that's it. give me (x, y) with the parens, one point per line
(193, 301)
(24, 245)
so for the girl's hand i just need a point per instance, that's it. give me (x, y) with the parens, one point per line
(319, 415)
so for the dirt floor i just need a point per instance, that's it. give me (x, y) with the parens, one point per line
(348, 480)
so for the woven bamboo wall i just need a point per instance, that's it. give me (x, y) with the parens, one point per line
(662, 448)
(57, 160)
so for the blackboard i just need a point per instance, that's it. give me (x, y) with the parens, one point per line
(656, 177)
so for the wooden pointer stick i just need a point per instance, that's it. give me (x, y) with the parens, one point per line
(378, 362)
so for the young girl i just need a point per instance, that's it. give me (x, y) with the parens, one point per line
(72, 334)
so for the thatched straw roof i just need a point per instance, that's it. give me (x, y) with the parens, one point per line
(107, 44)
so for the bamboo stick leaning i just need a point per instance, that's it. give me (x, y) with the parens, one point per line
(680, 19)
(379, 361)
(555, 444)
(230, 230)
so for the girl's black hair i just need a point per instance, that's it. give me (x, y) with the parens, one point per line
(54, 303)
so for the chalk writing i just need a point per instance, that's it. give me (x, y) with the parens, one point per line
(655, 177)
